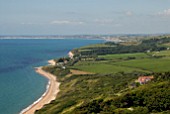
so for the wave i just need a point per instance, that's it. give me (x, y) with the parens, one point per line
(38, 100)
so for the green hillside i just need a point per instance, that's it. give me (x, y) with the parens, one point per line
(110, 85)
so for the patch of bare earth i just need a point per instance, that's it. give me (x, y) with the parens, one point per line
(77, 72)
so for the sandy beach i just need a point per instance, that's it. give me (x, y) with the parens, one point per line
(48, 96)
(52, 62)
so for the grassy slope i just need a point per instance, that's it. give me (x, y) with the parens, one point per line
(152, 97)
(74, 91)
(78, 93)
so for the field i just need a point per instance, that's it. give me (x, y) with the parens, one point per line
(124, 56)
(162, 53)
(106, 68)
(95, 45)
(166, 44)
(153, 65)
(88, 48)
(141, 62)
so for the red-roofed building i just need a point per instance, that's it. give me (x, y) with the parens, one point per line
(144, 79)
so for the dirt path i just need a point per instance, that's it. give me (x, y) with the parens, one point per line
(77, 72)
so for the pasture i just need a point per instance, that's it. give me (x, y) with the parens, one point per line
(140, 62)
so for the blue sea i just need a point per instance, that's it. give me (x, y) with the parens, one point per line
(20, 85)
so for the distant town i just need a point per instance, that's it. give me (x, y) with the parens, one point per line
(113, 38)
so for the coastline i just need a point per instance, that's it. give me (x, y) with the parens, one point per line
(50, 94)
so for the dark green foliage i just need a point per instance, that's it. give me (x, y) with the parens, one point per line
(152, 97)
(60, 60)
(111, 43)
(151, 44)
(162, 76)
(85, 88)
(157, 40)
(56, 70)
(140, 110)
(94, 107)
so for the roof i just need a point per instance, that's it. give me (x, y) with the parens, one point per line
(144, 79)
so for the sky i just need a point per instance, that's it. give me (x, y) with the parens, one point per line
(70, 17)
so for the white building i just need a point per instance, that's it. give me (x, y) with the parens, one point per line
(71, 55)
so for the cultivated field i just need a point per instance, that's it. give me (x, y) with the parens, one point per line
(142, 62)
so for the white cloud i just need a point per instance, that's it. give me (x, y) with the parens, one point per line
(56, 22)
(124, 13)
(166, 12)
(104, 21)
(129, 13)
(60, 22)
(107, 22)
(67, 22)
(118, 25)
(27, 23)
(30, 23)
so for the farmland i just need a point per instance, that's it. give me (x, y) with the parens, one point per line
(142, 62)
(106, 68)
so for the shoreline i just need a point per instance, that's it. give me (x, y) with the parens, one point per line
(50, 94)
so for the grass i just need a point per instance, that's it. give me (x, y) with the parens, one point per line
(162, 53)
(130, 43)
(89, 47)
(73, 91)
(154, 65)
(106, 68)
(142, 62)
(166, 44)
(96, 45)
(124, 56)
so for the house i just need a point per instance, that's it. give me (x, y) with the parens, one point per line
(63, 67)
(144, 79)
(71, 55)
(65, 61)
(148, 51)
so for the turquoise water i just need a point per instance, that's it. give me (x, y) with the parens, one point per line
(20, 86)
